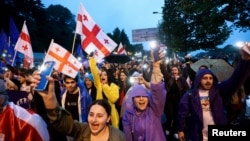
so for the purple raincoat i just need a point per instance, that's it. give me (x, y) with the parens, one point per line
(219, 93)
(147, 126)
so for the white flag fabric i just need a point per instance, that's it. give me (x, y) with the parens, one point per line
(23, 45)
(93, 39)
(19, 124)
(121, 49)
(66, 63)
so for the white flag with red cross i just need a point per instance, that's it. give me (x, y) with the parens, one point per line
(23, 45)
(66, 63)
(93, 39)
(121, 49)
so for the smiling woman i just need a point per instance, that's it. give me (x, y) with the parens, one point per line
(143, 108)
(97, 126)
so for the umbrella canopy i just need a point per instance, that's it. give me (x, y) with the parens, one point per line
(219, 67)
(117, 58)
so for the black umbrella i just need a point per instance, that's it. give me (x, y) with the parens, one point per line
(117, 58)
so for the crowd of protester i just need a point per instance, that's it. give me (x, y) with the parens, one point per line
(143, 100)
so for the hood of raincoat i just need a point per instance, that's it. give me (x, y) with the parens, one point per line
(199, 76)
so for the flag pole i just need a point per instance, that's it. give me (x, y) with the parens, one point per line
(72, 51)
(51, 43)
(14, 57)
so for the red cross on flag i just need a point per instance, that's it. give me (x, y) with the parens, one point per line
(23, 45)
(66, 63)
(121, 49)
(93, 39)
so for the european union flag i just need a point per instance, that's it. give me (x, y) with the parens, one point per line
(3, 45)
(13, 33)
(7, 53)
(79, 53)
(13, 37)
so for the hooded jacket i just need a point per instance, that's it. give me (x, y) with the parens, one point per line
(219, 93)
(84, 100)
(148, 124)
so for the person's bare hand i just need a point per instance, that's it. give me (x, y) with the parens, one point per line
(48, 96)
(141, 80)
(161, 56)
(181, 136)
(245, 51)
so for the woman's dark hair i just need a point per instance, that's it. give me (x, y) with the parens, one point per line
(102, 102)
(110, 76)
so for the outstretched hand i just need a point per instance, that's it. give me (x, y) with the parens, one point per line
(161, 56)
(157, 76)
(48, 96)
(245, 51)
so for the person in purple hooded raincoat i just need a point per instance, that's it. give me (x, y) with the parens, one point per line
(204, 105)
(143, 109)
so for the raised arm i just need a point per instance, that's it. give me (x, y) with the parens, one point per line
(59, 118)
(157, 87)
(240, 74)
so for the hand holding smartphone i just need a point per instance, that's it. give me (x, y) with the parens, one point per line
(46, 70)
(156, 53)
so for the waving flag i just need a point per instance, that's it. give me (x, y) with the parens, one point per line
(13, 37)
(7, 53)
(23, 45)
(13, 33)
(93, 39)
(3, 45)
(17, 123)
(121, 49)
(66, 63)
(79, 52)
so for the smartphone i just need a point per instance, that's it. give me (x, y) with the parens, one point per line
(156, 53)
(46, 70)
(133, 79)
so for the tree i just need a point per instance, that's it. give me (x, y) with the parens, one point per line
(189, 25)
(59, 24)
(124, 39)
(21, 10)
(119, 36)
(237, 12)
(55, 22)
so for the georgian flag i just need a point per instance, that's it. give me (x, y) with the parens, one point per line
(23, 45)
(121, 49)
(19, 124)
(66, 63)
(93, 39)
